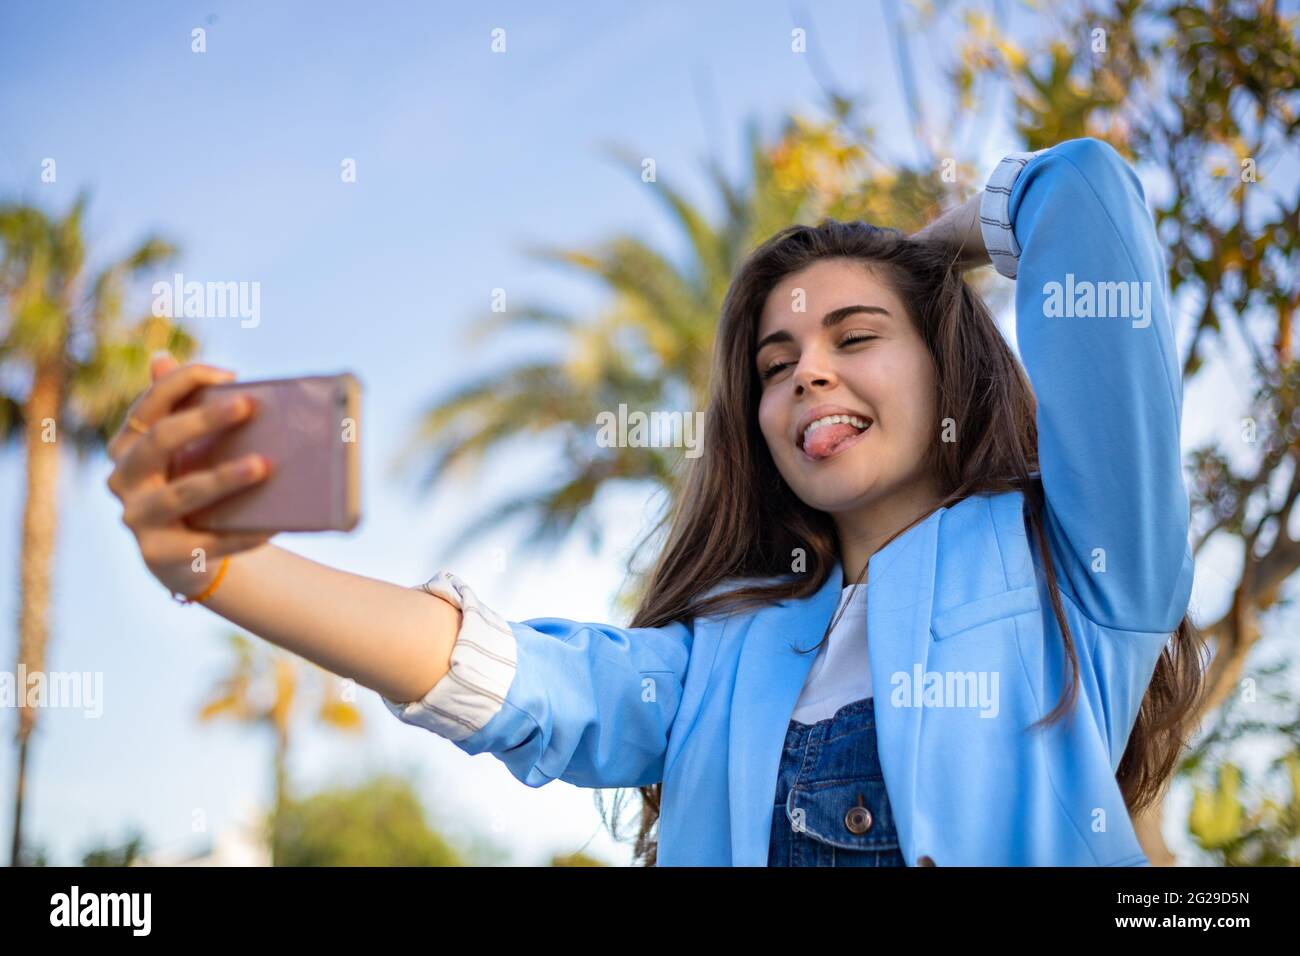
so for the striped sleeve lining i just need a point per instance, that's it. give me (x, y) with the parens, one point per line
(995, 219)
(483, 663)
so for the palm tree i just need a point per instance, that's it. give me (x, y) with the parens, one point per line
(65, 338)
(261, 689)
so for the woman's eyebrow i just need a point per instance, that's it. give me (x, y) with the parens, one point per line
(830, 319)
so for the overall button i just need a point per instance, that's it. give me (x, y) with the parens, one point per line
(858, 819)
(847, 814)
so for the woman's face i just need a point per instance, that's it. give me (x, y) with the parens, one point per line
(869, 362)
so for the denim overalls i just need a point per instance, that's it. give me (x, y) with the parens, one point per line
(831, 806)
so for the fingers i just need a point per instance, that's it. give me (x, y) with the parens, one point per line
(153, 510)
(170, 502)
(160, 364)
(171, 385)
(152, 452)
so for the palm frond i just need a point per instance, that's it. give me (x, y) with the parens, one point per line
(710, 253)
(493, 322)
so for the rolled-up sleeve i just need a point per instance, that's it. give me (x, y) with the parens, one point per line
(1070, 224)
(555, 699)
(995, 212)
(483, 662)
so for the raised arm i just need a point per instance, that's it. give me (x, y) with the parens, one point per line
(1070, 224)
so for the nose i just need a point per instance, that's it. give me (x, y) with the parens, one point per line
(808, 375)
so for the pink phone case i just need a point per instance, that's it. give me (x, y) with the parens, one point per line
(309, 429)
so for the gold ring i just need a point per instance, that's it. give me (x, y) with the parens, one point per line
(135, 424)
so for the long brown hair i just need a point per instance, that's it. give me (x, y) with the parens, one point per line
(734, 516)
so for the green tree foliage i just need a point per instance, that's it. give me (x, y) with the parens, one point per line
(1205, 95)
(379, 823)
(116, 854)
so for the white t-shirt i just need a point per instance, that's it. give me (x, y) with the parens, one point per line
(841, 672)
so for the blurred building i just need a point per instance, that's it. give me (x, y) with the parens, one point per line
(241, 844)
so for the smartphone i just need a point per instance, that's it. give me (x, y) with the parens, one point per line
(308, 428)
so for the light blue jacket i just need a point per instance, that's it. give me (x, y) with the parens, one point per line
(703, 706)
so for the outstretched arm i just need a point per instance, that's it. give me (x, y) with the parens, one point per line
(591, 704)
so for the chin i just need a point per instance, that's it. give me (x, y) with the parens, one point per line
(841, 492)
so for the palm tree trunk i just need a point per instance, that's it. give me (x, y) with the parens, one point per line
(39, 521)
(281, 786)
(16, 848)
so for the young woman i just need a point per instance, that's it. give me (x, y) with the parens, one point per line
(889, 562)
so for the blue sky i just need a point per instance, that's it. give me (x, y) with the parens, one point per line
(462, 157)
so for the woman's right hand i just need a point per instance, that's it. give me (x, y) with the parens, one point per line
(152, 506)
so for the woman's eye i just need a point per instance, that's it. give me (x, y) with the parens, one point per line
(848, 340)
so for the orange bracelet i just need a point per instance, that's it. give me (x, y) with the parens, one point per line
(208, 591)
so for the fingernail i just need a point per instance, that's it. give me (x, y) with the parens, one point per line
(234, 406)
(251, 467)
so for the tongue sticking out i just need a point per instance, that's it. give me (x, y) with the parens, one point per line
(823, 442)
